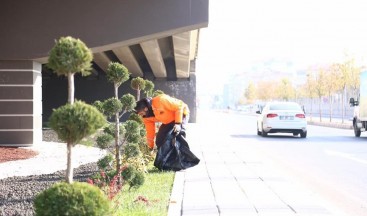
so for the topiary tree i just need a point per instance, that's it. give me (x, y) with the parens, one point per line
(138, 84)
(73, 122)
(72, 199)
(157, 92)
(110, 107)
(124, 135)
(117, 74)
(67, 57)
(149, 87)
(70, 56)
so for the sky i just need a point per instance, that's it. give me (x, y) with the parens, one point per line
(246, 36)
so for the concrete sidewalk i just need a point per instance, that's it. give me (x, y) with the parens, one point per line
(232, 180)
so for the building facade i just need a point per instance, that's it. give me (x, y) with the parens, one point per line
(156, 40)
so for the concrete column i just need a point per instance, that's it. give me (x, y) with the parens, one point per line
(184, 89)
(20, 103)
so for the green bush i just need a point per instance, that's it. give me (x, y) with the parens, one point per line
(137, 118)
(157, 92)
(75, 199)
(70, 55)
(128, 102)
(99, 105)
(117, 73)
(110, 129)
(133, 177)
(138, 83)
(132, 129)
(73, 122)
(138, 180)
(104, 141)
(112, 106)
(149, 87)
(105, 162)
(131, 150)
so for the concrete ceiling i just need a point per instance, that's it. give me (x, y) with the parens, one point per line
(164, 58)
(153, 40)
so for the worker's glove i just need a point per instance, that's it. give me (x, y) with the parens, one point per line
(177, 128)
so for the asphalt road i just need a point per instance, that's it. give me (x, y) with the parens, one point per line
(330, 161)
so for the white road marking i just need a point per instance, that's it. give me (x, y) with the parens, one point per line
(345, 155)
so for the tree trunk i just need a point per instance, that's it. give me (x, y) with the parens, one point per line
(117, 147)
(330, 108)
(117, 138)
(343, 108)
(311, 109)
(71, 88)
(320, 108)
(138, 94)
(116, 87)
(69, 167)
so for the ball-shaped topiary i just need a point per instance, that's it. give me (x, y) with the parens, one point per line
(76, 199)
(157, 92)
(131, 150)
(103, 141)
(133, 128)
(149, 87)
(117, 73)
(133, 177)
(72, 122)
(110, 129)
(70, 55)
(138, 180)
(138, 83)
(111, 106)
(128, 102)
(105, 162)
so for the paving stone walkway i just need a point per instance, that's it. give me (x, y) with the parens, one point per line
(233, 180)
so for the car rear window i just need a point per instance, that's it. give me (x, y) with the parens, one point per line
(285, 107)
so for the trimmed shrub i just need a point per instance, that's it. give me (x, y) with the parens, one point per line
(73, 122)
(112, 106)
(106, 162)
(132, 150)
(128, 102)
(133, 177)
(117, 73)
(76, 199)
(70, 55)
(104, 141)
(138, 83)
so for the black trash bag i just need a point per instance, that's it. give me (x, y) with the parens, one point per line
(175, 154)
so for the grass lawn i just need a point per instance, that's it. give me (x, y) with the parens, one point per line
(152, 198)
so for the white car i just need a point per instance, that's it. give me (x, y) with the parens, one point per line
(282, 117)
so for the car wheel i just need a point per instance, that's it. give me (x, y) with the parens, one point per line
(357, 131)
(257, 130)
(295, 134)
(303, 134)
(263, 133)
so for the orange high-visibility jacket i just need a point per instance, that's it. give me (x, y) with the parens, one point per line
(166, 109)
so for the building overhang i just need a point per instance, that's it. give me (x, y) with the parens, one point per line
(151, 38)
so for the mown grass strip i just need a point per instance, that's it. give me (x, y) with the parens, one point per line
(151, 199)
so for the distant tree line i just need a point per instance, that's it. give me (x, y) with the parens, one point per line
(340, 79)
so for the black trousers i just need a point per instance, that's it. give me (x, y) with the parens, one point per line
(165, 128)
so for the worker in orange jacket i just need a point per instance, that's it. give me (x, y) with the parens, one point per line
(171, 112)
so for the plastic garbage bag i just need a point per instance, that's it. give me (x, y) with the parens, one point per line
(175, 154)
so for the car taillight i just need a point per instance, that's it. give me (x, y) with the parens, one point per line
(271, 115)
(300, 116)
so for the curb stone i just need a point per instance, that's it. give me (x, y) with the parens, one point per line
(174, 207)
